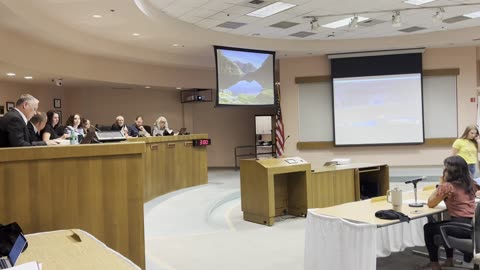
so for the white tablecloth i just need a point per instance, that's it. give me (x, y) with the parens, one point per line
(334, 243)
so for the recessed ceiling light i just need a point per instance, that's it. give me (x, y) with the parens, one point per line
(418, 2)
(179, 88)
(175, 45)
(271, 9)
(148, 86)
(473, 15)
(28, 77)
(96, 16)
(11, 74)
(344, 22)
(136, 34)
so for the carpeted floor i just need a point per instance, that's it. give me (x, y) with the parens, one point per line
(203, 228)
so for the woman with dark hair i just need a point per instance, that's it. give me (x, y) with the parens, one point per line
(74, 125)
(467, 147)
(457, 189)
(86, 125)
(48, 132)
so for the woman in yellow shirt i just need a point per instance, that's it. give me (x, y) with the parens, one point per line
(467, 147)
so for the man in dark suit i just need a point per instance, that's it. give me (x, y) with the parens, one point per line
(35, 126)
(13, 126)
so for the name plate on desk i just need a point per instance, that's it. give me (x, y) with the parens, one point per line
(294, 160)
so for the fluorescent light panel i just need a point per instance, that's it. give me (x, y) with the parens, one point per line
(473, 15)
(271, 9)
(344, 22)
(418, 2)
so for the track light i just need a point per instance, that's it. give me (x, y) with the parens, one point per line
(438, 16)
(314, 25)
(354, 22)
(396, 19)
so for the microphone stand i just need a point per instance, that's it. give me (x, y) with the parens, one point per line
(414, 182)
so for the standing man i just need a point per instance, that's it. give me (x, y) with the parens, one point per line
(13, 126)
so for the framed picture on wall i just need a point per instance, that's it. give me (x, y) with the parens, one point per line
(2, 110)
(59, 116)
(10, 105)
(57, 103)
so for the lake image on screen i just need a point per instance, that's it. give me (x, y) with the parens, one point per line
(245, 78)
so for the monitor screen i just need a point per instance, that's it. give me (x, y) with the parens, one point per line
(244, 77)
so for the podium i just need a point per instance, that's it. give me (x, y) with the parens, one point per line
(274, 187)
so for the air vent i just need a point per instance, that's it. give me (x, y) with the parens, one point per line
(476, 39)
(284, 24)
(256, 2)
(411, 29)
(456, 19)
(370, 22)
(302, 34)
(231, 25)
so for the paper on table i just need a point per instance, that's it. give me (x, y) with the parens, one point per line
(28, 266)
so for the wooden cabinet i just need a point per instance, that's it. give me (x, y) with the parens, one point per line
(341, 184)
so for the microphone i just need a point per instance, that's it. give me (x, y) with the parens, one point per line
(414, 182)
(97, 129)
(286, 139)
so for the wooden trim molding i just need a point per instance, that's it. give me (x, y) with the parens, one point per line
(312, 79)
(435, 142)
(441, 72)
(426, 72)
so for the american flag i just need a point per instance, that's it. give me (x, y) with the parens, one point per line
(279, 131)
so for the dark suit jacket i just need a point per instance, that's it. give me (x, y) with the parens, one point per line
(13, 130)
(35, 138)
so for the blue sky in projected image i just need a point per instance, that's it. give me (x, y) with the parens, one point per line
(255, 59)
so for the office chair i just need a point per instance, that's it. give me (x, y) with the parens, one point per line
(466, 246)
(148, 129)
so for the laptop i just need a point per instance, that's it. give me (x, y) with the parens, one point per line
(182, 131)
(88, 138)
(11, 259)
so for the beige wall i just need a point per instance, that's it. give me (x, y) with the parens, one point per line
(463, 58)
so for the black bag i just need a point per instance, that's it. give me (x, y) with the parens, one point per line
(8, 236)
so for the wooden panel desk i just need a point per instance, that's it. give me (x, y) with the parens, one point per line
(172, 163)
(364, 211)
(333, 185)
(272, 187)
(365, 237)
(58, 250)
(97, 188)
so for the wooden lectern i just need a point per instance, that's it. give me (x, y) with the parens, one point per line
(274, 187)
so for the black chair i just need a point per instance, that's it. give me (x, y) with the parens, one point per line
(450, 231)
(148, 129)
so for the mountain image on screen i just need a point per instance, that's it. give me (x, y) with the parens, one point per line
(245, 78)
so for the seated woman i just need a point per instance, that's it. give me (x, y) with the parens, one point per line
(457, 189)
(49, 133)
(160, 127)
(74, 125)
(86, 126)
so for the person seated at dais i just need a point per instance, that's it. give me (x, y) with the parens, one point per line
(160, 127)
(35, 126)
(87, 127)
(457, 189)
(137, 129)
(120, 125)
(13, 126)
(74, 125)
(49, 133)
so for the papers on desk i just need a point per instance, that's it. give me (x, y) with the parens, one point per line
(28, 266)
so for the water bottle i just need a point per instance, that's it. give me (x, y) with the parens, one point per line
(73, 137)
